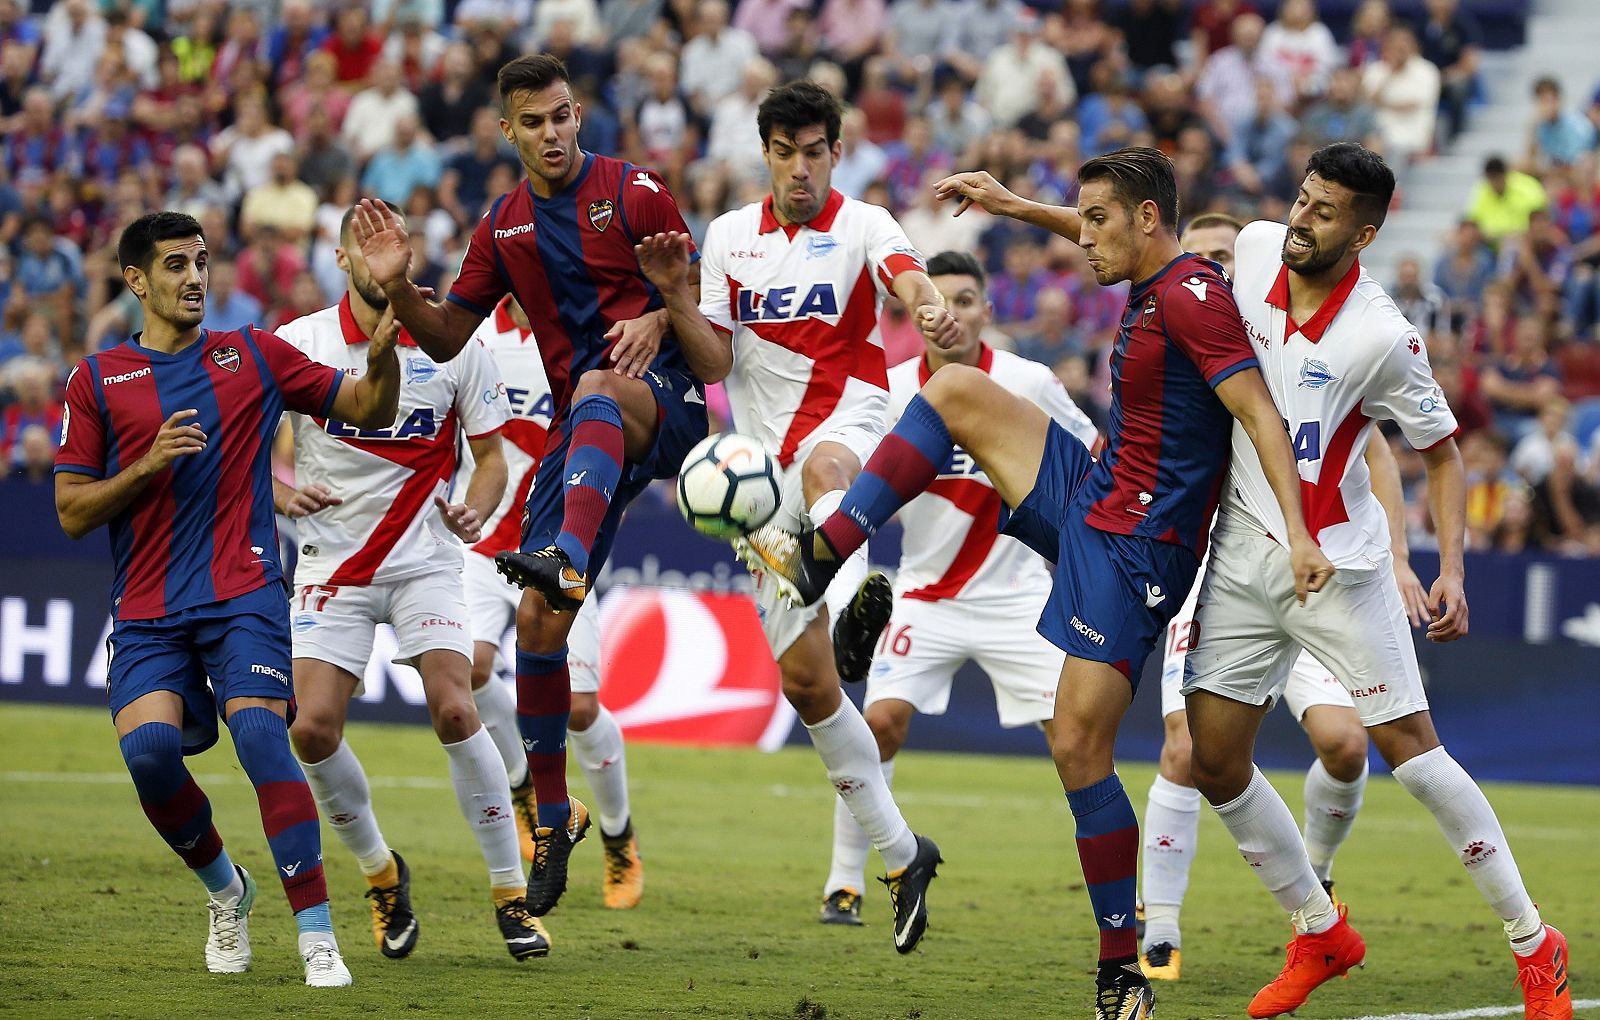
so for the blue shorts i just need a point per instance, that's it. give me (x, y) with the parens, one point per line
(680, 424)
(241, 644)
(1113, 595)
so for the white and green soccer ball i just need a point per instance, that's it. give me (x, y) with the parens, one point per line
(728, 486)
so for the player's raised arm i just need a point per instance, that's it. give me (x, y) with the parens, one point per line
(1245, 395)
(372, 401)
(441, 330)
(664, 260)
(979, 188)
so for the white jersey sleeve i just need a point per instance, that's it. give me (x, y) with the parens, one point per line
(888, 249)
(480, 393)
(714, 304)
(1405, 392)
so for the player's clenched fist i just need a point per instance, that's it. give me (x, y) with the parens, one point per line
(175, 440)
(938, 326)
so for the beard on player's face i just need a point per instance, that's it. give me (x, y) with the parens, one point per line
(371, 293)
(181, 303)
(1311, 252)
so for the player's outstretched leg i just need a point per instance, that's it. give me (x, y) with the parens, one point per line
(841, 894)
(289, 817)
(181, 814)
(1469, 824)
(544, 704)
(601, 755)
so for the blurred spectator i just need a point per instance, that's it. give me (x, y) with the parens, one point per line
(767, 22)
(913, 162)
(48, 276)
(581, 16)
(16, 77)
(1260, 144)
(35, 344)
(1019, 71)
(802, 45)
(916, 35)
(240, 45)
(1170, 110)
(1463, 271)
(958, 121)
(1300, 47)
(464, 183)
(1015, 292)
(284, 202)
(1368, 26)
(1150, 31)
(1558, 136)
(1535, 264)
(1211, 24)
(928, 223)
(1055, 171)
(979, 28)
(714, 58)
(1493, 329)
(1522, 380)
(881, 102)
(37, 403)
(629, 19)
(355, 46)
(1450, 38)
(36, 146)
(1490, 484)
(1419, 300)
(1404, 88)
(34, 456)
(74, 35)
(733, 139)
(1504, 200)
(861, 162)
(1342, 113)
(1076, 376)
(316, 91)
(17, 29)
(1226, 87)
(448, 104)
(291, 42)
(245, 150)
(228, 307)
(1109, 117)
(369, 124)
(418, 50)
(409, 162)
(1052, 333)
(1535, 453)
(324, 162)
(305, 297)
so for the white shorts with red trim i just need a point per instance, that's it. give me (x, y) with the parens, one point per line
(1250, 631)
(335, 623)
(492, 608)
(926, 642)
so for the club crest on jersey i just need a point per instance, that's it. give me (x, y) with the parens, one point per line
(601, 210)
(1315, 374)
(227, 358)
(1149, 312)
(420, 370)
(820, 246)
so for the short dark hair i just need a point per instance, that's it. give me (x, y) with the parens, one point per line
(137, 245)
(796, 105)
(1362, 171)
(1547, 84)
(1137, 175)
(350, 215)
(534, 72)
(1214, 219)
(957, 263)
(1494, 165)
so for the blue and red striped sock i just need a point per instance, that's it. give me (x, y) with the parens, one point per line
(899, 470)
(544, 704)
(1108, 849)
(594, 466)
(174, 803)
(288, 813)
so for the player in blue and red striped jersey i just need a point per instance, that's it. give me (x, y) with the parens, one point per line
(1126, 532)
(167, 441)
(628, 393)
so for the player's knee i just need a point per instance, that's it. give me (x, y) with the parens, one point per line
(585, 710)
(1081, 753)
(154, 767)
(1345, 755)
(1176, 751)
(888, 730)
(455, 717)
(823, 473)
(597, 382)
(1219, 777)
(804, 687)
(314, 737)
(951, 389)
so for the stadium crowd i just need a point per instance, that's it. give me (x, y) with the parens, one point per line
(265, 119)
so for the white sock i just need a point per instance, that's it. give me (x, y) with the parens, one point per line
(1331, 808)
(1265, 831)
(1171, 830)
(308, 939)
(849, 867)
(848, 750)
(498, 710)
(340, 788)
(1469, 823)
(603, 759)
(233, 893)
(479, 779)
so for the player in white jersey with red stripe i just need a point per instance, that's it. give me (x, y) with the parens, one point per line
(388, 550)
(1337, 355)
(492, 607)
(963, 590)
(796, 282)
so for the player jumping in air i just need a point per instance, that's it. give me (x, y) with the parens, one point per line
(1336, 781)
(1337, 355)
(628, 394)
(796, 281)
(492, 606)
(166, 442)
(385, 551)
(963, 591)
(1126, 531)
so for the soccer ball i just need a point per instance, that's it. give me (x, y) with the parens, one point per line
(728, 486)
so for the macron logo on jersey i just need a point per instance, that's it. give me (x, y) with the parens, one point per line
(780, 305)
(501, 233)
(1197, 287)
(138, 373)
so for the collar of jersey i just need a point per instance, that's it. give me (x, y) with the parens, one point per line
(1314, 327)
(822, 222)
(155, 355)
(985, 362)
(504, 323)
(588, 162)
(351, 329)
(1153, 278)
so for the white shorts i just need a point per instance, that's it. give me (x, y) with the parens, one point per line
(335, 623)
(1250, 630)
(1309, 684)
(926, 642)
(492, 607)
(782, 623)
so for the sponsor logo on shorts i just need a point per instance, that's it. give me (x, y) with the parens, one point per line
(304, 622)
(1088, 631)
(439, 621)
(138, 373)
(1432, 402)
(1153, 595)
(1369, 691)
(276, 674)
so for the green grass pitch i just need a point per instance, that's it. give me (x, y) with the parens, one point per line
(98, 918)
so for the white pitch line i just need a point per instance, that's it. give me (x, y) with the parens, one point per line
(1473, 1014)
